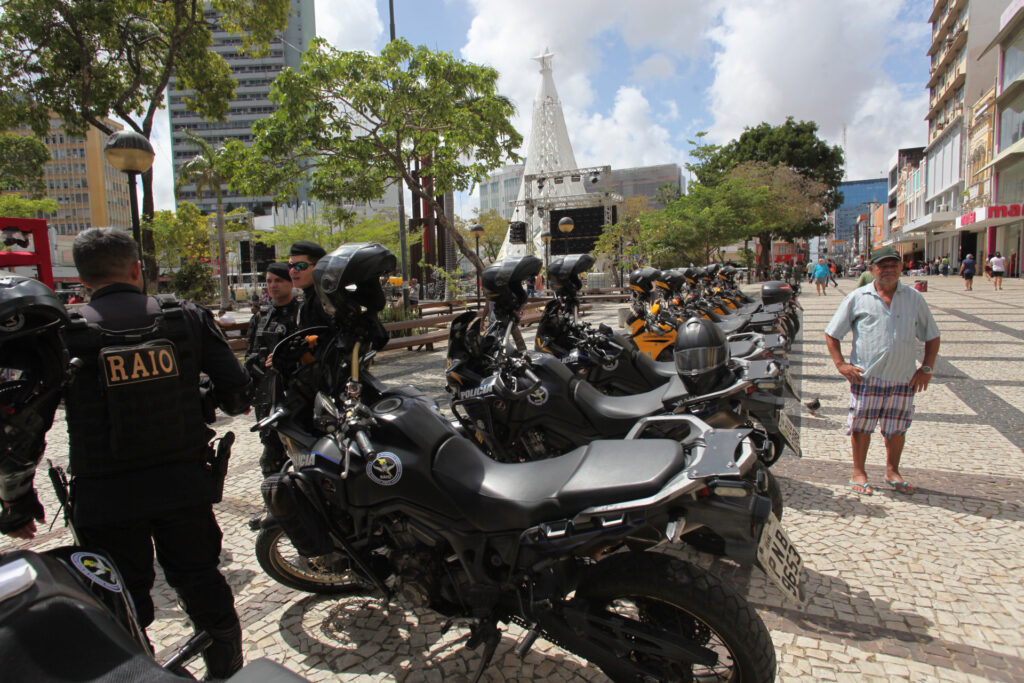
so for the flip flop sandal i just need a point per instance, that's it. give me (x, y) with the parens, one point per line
(904, 487)
(865, 486)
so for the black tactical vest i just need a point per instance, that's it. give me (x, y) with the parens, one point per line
(274, 325)
(135, 401)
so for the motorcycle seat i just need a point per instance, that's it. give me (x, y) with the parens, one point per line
(500, 496)
(748, 308)
(612, 416)
(655, 372)
(733, 324)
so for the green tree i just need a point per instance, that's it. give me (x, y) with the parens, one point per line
(667, 193)
(352, 123)
(182, 236)
(209, 170)
(623, 242)
(22, 163)
(492, 237)
(792, 208)
(13, 206)
(325, 231)
(89, 59)
(794, 146)
(194, 281)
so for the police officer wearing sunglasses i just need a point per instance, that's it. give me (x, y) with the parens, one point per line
(301, 259)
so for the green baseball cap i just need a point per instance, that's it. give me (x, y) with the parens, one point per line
(885, 253)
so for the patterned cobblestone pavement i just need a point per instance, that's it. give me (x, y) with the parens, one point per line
(923, 587)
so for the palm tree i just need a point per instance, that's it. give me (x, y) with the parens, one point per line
(206, 169)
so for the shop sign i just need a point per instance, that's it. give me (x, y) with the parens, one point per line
(988, 212)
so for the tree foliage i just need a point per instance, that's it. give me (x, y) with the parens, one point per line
(22, 163)
(89, 59)
(493, 235)
(623, 243)
(329, 234)
(181, 236)
(352, 123)
(13, 206)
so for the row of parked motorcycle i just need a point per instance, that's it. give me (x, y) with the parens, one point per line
(551, 497)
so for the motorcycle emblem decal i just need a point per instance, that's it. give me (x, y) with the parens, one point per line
(385, 469)
(609, 366)
(538, 396)
(97, 569)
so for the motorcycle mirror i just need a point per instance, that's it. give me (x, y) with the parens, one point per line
(325, 413)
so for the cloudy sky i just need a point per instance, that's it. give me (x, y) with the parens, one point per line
(638, 79)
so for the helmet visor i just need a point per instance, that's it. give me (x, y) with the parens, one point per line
(701, 359)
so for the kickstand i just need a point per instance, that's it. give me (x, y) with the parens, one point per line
(487, 633)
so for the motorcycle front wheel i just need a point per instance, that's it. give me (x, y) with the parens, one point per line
(683, 600)
(326, 575)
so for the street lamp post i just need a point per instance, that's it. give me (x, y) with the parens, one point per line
(545, 237)
(565, 225)
(131, 153)
(476, 230)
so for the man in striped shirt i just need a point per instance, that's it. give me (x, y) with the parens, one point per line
(887, 319)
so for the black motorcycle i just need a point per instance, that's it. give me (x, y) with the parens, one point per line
(389, 495)
(65, 615)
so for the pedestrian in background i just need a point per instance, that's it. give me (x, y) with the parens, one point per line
(887, 320)
(832, 272)
(820, 275)
(998, 265)
(968, 268)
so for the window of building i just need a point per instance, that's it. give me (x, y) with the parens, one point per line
(1011, 184)
(1011, 122)
(1013, 61)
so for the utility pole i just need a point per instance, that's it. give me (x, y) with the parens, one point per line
(401, 201)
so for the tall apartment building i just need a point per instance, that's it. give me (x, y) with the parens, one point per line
(501, 189)
(90, 192)
(254, 76)
(857, 196)
(959, 75)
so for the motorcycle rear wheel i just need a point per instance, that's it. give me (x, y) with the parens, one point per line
(283, 563)
(679, 597)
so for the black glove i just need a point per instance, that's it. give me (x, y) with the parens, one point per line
(20, 512)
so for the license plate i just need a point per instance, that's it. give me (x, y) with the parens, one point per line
(789, 384)
(791, 434)
(779, 559)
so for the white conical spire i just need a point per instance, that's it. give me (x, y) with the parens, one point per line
(549, 150)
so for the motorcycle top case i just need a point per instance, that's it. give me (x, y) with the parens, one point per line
(776, 292)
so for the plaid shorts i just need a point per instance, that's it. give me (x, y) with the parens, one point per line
(873, 400)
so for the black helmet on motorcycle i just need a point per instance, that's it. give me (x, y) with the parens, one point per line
(727, 273)
(564, 273)
(33, 361)
(701, 355)
(690, 275)
(348, 278)
(670, 281)
(642, 279)
(503, 282)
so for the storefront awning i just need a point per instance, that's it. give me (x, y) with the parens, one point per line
(931, 221)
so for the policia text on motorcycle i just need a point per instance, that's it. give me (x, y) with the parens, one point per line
(142, 468)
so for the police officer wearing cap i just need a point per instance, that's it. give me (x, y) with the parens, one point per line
(301, 258)
(274, 321)
(140, 456)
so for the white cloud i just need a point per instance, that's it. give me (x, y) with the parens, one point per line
(658, 66)
(506, 35)
(628, 137)
(819, 61)
(349, 24)
(163, 166)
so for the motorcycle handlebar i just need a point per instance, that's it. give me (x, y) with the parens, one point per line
(363, 441)
(269, 420)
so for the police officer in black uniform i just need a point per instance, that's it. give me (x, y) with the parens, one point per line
(301, 259)
(140, 456)
(274, 321)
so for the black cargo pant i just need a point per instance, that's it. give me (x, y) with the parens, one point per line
(188, 544)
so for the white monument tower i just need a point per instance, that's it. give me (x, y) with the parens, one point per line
(551, 179)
